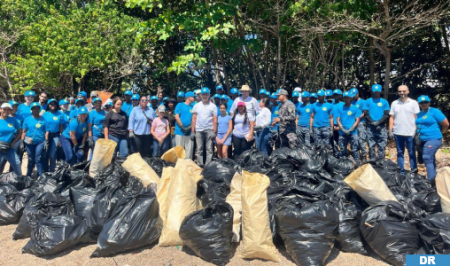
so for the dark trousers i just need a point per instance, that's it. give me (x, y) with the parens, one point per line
(143, 144)
(240, 145)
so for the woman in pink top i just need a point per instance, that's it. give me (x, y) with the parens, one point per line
(160, 130)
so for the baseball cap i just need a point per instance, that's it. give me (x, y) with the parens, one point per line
(79, 100)
(354, 91)
(337, 91)
(83, 111)
(305, 94)
(320, 93)
(12, 102)
(82, 94)
(313, 95)
(224, 97)
(196, 92)
(376, 87)
(424, 98)
(165, 98)
(180, 94)
(6, 105)
(128, 92)
(153, 98)
(71, 98)
(94, 94)
(135, 97)
(64, 101)
(234, 91)
(219, 87)
(274, 95)
(189, 94)
(268, 93)
(298, 89)
(241, 104)
(347, 94)
(261, 91)
(52, 100)
(161, 108)
(205, 90)
(35, 105)
(295, 94)
(97, 99)
(282, 92)
(30, 93)
(328, 92)
(216, 96)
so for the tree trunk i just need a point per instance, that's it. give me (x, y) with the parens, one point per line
(387, 74)
(371, 65)
(445, 37)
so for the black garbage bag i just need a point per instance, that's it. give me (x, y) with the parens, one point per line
(12, 205)
(422, 193)
(219, 171)
(19, 182)
(318, 155)
(104, 202)
(208, 232)
(46, 183)
(134, 223)
(389, 171)
(391, 231)
(340, 166)
(58, 233)
(111, 176)
(308, 230)
(78, 179)
(38, 207)
(435, 232)
(133, 185)
(210, 192)
(296, 157)
(6, 188)
(83, 200)
(84, 166)
(252, 157)
(157, 164)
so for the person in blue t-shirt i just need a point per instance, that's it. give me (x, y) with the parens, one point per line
(54, 125)
(216, 100)
(322, 118)
(362, 135)
(95, 124)
(337, 95)
(74, 113)
(348, 118)
(295, 99)
(127, 105)
(34, 135)
(431, 123)
(18, 147)
(329, 96)
(224, 128)
(304, 110)
(183, 117)
(25, 108)
(225, 100)
(10, 130)
(376, 113)
(74, 137)
(313, 98)
(64, 112)
(180, 96)
(234, 93)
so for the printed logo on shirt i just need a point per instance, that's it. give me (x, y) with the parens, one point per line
(324, 108)
(349, 113)
(357, 105)
(38, 125)
(380, 104)
(10, 125)
(190, 110)
(276, 112)
(84, 129)
(307, 110)
(424, 117)
(55, 118)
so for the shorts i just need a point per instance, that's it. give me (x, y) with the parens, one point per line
(227, 141)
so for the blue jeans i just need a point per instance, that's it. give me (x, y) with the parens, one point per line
(52, 152)
(70, 151)
(34, 152)
(13, 159)
(430, 148)
(401, 142)
(262, 140)
(95, 138)
(160, 149)
(19, 153)
(122, 146)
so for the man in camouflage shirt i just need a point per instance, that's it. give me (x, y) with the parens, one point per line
(286, 121)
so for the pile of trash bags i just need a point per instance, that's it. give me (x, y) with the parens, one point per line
(304, 199)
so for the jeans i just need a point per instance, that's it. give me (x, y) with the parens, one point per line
(240, 145)
(19, 153)
(343, 143)
(94, 138)
(203, 140)
(400, 142)
(34, 152)
(13, 159)
(377, 139)
(122, 146)
(429, 149)
(186, 143)
(52, 152)
(304, 136)
(71, 152)
(142, 144)
(362, 138)
(262, 140)
(160, 149)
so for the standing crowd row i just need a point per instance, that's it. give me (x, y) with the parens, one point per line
(50, 130)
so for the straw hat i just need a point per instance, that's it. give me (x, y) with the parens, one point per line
(245, 88)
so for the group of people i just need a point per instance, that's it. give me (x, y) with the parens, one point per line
(50, 130)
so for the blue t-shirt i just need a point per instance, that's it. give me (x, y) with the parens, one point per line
(35, 128)
(8, 128)
(52, 121)
(428, 124)
(127, 108)
(322, 112)
(73, 114)
(185, 112)
(376, 108)
(24, 110)
(360, 105)
(76, 127)
(274, 111)
(335, 108)
(347, 116)
(222, 124)
(96, 119)
(19, 119)
(304, 114)
(229, 104)
(65, 118)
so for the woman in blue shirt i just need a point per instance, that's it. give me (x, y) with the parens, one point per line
(95, 124)
(34, 135)
(64, 112)
(9, 136)
(74, 137)
(224, 127)
(18, 147)
(139, 125)
(430, 124)
(54, 126)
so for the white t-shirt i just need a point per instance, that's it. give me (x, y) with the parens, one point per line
(240, 129)
(205, 114)
(251, 104)
(404, 116)
(263, 118)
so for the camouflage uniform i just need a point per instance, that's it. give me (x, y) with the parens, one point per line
(286, 129)
(377, 138)
(303, 135)
(343, 143)
(322, 136)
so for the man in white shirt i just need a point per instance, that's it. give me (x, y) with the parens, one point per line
(251, 104)
(402, 127)
(204, 126)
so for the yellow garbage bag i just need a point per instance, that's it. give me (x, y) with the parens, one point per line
(188, 164)
(174, 154)
(443, 188)
(162, 191)
(256, 234)
(235, 200)
(137, 167)
(102, 155)
(368, 184)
